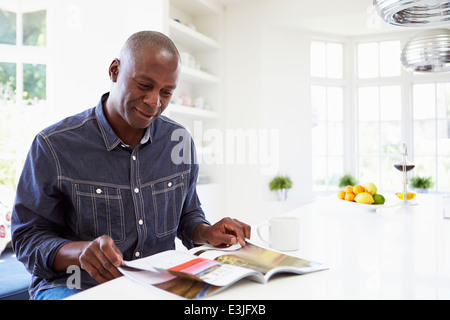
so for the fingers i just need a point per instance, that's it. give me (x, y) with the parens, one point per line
(101, 258)
(230, 232)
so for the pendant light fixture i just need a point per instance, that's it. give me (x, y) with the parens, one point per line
(411, 13)
(429, 51)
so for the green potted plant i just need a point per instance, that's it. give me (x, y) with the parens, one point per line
(346, 180)
(421, 184)
(281, 184)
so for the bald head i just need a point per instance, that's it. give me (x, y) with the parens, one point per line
(144, 39)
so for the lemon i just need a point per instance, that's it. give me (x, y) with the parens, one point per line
(379, 199)
(409, 195)
(371, 188)
(364, 198)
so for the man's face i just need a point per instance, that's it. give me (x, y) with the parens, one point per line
(143, 85)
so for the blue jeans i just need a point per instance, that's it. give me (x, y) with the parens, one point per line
(57, 293)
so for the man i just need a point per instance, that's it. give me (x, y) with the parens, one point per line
(102, 186)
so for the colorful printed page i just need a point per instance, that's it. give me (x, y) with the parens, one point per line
(265, 261)
(206, 270)
(185, 275)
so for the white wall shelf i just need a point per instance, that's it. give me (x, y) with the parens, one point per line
(189, 37)
(191, 112)
(196, 27)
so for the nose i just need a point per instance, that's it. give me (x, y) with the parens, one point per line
(152, 99)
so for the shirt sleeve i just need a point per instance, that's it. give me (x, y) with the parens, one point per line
(192, 215)
(38, 220)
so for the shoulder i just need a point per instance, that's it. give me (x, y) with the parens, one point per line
(70, 123)
(165, 126)
(169, 123)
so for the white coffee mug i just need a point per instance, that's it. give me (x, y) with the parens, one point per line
(284, 233)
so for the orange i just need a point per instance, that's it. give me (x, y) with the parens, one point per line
(341, 195)
(348, 189)
(349, 196)
(358, 189)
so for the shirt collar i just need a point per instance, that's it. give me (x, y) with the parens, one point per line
(109, 136)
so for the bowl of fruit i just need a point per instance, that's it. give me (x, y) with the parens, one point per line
(364, 196)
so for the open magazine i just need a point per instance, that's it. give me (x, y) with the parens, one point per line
(206, 270)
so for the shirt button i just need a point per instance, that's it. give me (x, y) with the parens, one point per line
(169, 184)
(141, 222)
(98, 191)
(134, 158)
(136, 190)
(137, 254)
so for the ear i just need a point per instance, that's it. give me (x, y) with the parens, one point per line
(114, 70)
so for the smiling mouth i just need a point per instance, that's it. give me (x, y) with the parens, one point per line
(144, 115)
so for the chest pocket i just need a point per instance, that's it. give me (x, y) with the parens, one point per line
(99, 212)
(168, 198)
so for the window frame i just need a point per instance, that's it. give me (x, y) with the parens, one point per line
(330, 82)
(351, 82)
(21, 54)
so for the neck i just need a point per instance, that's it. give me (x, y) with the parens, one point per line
(129, 135)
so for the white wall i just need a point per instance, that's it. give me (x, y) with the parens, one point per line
(88, 36)
(267, 69)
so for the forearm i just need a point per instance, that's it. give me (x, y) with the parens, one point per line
(200, 234)
(69, 255)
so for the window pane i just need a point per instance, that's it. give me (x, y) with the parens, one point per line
(319, 173)
(318, 59)
(390, 52)
(335, 170)
(8, 27)
(443, 183)
(35, 28)
(391, 103)
(335, 60)
(335, 104)
(319, 103)
(7, 82)
(319, 139)
(368, 137)
(391, 137)
(443, 100)
(34, 82)
(368, 104)
(425, 137)
(425, 167)
(369, 169)
(391, 177)
(368, 60)
(443, 133)
(336, 139)
(424, 98)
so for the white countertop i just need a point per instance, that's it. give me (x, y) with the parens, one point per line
(393, 253)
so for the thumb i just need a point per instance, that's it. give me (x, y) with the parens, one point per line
(224, 239)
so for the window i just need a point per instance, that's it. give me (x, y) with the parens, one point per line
(23, 81)
(379, 134)
(431, 121)
(379, 59)
(326, 60)
(23, 78)
(327, 96)
(378, 112)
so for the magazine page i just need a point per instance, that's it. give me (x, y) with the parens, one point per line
(182, 287)
(265, 261)
(184, 265)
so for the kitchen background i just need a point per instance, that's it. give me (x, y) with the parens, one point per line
(309, 89)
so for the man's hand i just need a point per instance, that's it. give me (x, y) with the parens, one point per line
(226, 232)
(100, 258)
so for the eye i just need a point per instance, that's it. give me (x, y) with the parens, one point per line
(166, 93)
(143, 86)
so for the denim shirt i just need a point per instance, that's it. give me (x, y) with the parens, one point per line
(80, 181)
